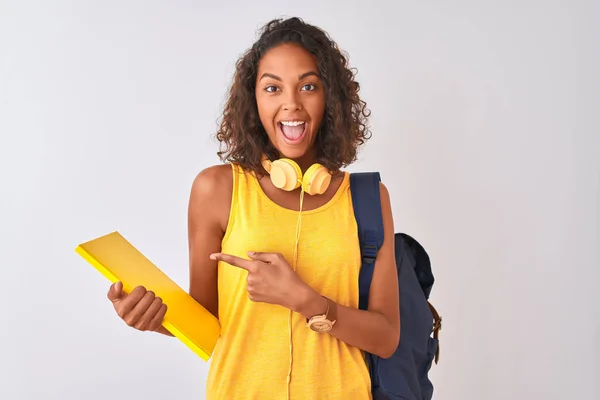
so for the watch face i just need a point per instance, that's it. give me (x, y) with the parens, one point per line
(321, 326)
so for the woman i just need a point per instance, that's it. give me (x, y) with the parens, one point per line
(284, 282)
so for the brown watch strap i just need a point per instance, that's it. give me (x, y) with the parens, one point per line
(332, 314)
(331, 310)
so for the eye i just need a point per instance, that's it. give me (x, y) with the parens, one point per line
(309, 87)
(271, 89)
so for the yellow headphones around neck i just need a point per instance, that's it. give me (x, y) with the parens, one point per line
(286, 175)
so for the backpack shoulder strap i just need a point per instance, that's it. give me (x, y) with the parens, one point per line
(364, 188)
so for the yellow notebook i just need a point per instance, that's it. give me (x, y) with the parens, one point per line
(186, 319)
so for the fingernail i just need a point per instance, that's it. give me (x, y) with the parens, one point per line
(251, 253)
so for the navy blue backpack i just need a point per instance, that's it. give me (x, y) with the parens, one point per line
(403, 376)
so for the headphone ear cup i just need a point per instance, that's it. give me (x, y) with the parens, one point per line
(316, 179)
(285, 174)
(266, 163)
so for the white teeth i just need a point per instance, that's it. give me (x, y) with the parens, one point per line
(292, 123)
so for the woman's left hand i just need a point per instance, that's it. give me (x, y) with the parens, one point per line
(271, 279)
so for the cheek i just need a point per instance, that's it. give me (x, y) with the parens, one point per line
(317, 110)
(266, 113)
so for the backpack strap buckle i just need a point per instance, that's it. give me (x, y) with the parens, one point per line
(369, 253)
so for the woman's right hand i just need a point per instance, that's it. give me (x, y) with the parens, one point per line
(140, 309)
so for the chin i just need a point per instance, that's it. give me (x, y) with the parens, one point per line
(293, 153)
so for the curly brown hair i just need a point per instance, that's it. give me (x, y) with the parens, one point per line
(244, 141)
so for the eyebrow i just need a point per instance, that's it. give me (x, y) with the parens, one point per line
(304, 75)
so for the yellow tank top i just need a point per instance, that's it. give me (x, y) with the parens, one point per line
(253, 356)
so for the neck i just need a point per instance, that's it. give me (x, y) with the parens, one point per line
(306, 161)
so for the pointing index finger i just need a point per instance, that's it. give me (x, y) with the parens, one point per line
(233, 260)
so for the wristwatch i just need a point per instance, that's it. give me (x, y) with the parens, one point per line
(324, 322)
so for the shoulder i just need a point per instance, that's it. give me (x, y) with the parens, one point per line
(213, 180)
(383, 190)
(386, 205)
(211, 192)
(384, 193)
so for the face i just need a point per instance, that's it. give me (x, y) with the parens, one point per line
(290, 99)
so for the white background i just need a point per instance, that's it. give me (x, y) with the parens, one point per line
(486, 132)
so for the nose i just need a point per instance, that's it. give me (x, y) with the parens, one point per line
(291, 101)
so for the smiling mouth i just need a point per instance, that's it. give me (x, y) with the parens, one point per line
(293, 131)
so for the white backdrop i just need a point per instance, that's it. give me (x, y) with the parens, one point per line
(486, 131)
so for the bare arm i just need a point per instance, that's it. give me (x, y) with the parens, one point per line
(210, 201)
(376, 330)
(208, 213)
